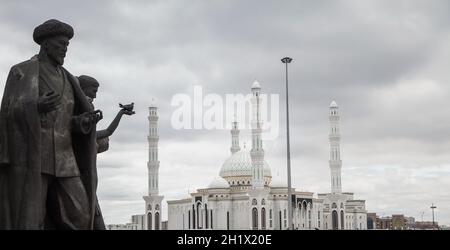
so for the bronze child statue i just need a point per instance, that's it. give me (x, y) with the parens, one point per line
(90, 85)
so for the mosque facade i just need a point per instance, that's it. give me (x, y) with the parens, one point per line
(245, 196)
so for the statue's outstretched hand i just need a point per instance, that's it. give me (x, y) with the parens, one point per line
(127, 112)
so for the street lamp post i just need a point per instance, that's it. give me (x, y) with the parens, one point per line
(286, 61)
(432, 210)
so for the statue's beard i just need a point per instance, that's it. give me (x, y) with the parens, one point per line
(58, 59)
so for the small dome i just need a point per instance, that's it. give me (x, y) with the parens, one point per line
(218, 182)
(256, 85)
(240, 165)
(279, 183)
(333, 104)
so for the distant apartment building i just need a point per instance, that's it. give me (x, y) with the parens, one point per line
(398, 222)
(137, 223)
(371, 221)
(426, 225)
(128, 226)
(384, 223)
(410, 222)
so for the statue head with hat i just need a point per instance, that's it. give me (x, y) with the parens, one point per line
(53, 36)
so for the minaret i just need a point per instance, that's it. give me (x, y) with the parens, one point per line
(257, 152)
(234, 137)
(153, 162)
(335, 152)
(153, 200)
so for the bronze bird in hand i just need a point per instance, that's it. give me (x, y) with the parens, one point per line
(128, 108)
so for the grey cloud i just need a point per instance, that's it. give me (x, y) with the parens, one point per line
(385, 63)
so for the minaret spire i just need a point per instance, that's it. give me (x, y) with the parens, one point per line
(335, 152)
(257, 152)
(153, 208)
(235, 137)
(153, 162)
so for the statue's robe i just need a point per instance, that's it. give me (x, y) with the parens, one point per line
(20, 151)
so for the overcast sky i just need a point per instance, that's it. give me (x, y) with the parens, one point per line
(386, 63)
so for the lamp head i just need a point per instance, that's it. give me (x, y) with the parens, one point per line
(286, 60)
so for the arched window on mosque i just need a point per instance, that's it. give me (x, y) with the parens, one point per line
(149, 221)
(149, 207)
(189, 219)
(270, 218)
(279, 215)
(318, 220)
(255, 218)
(263, 218)
(263, 202)
(334, 205)
(254, 202)
(212, 225)
(206, 216)
(157, 207)
(193, 217)
(157, 221)
(334, 220)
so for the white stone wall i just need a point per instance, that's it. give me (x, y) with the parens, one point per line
(178, 216)
(304, 216)
(355, 215)
(280, 205)
(240, 208)
(240, 213)
(318, 215)
(359, 221)
(223, 207)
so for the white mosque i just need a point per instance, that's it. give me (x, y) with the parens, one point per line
(244, 195)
